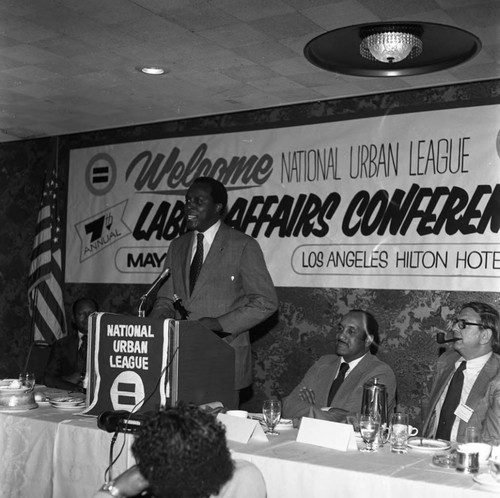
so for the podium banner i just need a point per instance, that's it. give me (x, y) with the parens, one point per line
(127, 363)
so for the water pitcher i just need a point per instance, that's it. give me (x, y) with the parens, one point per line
(375, 402)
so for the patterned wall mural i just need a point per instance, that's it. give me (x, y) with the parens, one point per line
(285, 346)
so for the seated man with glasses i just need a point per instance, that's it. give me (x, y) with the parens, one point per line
(332, 388)
(466, 388)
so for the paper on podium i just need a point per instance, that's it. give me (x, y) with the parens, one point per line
(327, 434)
(242, 430)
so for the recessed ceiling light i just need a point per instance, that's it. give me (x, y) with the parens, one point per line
(154, 70)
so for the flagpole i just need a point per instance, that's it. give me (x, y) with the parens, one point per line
(33, 303)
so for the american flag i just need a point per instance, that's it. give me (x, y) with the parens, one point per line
(45, 280)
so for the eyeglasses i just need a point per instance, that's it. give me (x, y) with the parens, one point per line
(461, 323)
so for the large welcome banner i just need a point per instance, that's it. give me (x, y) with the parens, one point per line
(397, 202)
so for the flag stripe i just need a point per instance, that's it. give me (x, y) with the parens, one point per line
(45, 281)
(42, 318)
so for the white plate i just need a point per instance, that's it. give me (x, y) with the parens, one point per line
(66, 400)
(69, 407)
(430, 445)
(284, 423)
(487, 481)
(67, 403)
(256, 416)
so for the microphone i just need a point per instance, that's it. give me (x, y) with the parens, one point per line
(159, 280)
(120, 421)
(180, 307)
(440, 338)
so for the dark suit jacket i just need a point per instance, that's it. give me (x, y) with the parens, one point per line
(234, 286)
(63, 359)
(484, 398)
(320, 376)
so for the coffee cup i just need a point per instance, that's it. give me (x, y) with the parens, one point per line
(483, 449)
(412, 431)
(467, 462)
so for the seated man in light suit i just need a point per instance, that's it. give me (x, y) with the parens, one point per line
(477, 402)
(357, 331)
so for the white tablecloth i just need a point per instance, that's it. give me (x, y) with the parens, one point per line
(298, 470)
(49, 453)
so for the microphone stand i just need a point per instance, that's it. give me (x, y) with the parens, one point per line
(160, 279)
(142, 313)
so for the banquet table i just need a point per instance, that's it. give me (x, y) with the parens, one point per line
(51, 453)
(48, 453)
(298, 470)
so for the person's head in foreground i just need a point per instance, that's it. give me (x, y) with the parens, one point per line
(182, 452)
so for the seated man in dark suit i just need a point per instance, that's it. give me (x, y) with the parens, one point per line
(68, 359)
(466, 388)
(333, 387)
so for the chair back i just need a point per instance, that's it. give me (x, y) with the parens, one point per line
(37, 359)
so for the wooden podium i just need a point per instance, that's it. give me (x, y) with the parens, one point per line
(139, 364)
(203, 369)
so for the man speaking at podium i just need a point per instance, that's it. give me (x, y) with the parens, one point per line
(219, 275)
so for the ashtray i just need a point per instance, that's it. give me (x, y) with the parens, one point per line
(445, 460)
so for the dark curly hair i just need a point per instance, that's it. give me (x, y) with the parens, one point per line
(182, 452)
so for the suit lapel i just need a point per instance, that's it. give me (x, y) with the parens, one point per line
(182, 260)
(478, 390)
(328, 380)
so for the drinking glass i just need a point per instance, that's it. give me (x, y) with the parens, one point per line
(398, 432)
(369, 426)
(27, 379)
(272, 414)
(471, 434)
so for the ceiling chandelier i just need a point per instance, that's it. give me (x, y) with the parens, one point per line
(397, 48)
(391, 44)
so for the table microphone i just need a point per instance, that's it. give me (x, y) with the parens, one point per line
(120, 421)
(440, 338)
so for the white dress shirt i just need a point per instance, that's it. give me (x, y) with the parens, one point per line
(208, 238)
(470, 373)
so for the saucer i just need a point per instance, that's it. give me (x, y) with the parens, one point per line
(487, 481)
(284, 423)
(428, 445)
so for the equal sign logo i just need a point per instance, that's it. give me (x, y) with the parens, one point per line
(127, 391)
(100, 175)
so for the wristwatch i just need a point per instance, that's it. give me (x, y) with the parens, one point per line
(110, 488)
